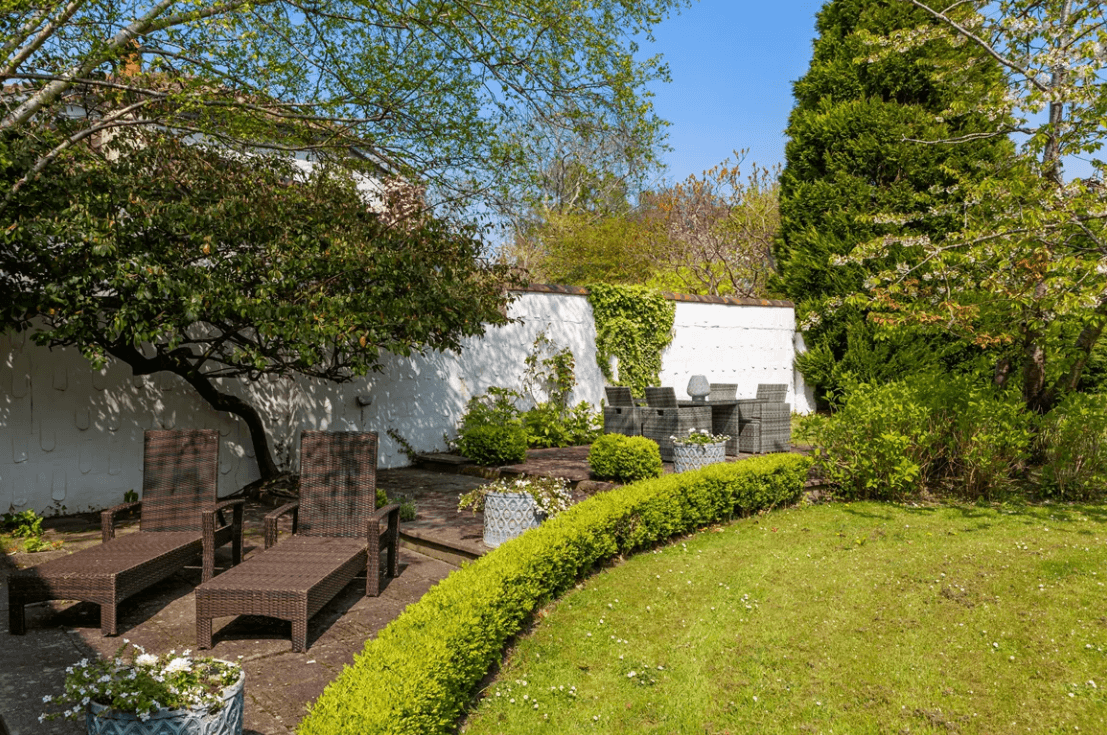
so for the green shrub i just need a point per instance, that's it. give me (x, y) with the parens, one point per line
(937, 432)
(491, 446)
(494, 408)
(408, 510)
(547, 424)
(625, 458)
(423, 669)
(1073, 448)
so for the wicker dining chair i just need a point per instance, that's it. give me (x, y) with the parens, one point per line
(621, 415)
(661, 398)
(178, 525)
(765, 422)
(664, 419)
(337, 533)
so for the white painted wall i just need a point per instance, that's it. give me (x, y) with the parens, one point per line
(71, 437)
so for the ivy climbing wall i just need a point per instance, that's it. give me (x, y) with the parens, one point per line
(71, 437)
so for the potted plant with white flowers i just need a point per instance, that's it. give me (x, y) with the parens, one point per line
(697, 449)
(512, 505)
(146, 693)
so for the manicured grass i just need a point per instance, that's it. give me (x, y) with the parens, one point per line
(851, 618)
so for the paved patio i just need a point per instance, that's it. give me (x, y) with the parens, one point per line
(280, 684)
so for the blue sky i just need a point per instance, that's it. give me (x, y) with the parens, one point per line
(732, 64)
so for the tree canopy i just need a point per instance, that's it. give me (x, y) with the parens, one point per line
(1025, 275)
(436, 90)
(151, 206)
(176, 257)
(854, 174)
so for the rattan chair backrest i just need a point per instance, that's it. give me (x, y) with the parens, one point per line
(618, 395)
(661, 397)
(723, 391)
(338, 482)
(180, 473)
(772, 392)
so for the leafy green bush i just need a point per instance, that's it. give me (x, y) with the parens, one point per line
(1073, 447)
(408, 510)
(494, 408)
(491, 446)
(549, 425)
(932, 432)
(26, 524)
(425, 666)
(625, 458)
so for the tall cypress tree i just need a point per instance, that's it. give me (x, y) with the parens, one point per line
(854, 172)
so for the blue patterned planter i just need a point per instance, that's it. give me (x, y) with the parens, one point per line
(101, 720)
(506, 515)
(687, 457)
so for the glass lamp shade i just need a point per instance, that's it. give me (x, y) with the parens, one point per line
(699, 388)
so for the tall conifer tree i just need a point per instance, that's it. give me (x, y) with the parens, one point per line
(856, 171)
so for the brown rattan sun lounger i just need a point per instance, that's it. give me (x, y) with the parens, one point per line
(178, 525)
(337, 533)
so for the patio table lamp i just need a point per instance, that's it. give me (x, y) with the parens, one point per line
(699, 388)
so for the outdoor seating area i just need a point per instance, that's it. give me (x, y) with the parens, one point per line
(757, 425)
(289, 572)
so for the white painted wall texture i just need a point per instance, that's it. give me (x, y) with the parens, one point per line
(71, 437)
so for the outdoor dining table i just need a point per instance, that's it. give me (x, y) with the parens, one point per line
(722, 417)
(721, 410)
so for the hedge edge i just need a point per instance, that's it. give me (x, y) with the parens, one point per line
(420, 674)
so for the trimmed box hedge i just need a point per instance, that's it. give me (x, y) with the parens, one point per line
(421, 673)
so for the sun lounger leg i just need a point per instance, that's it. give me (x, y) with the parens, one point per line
(203, 633)
(108, 625)
(299, 635)
(373, 573)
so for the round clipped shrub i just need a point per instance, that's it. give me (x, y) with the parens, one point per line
(625, 458)
(492, 446)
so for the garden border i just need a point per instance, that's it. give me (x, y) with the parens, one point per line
(420, 674)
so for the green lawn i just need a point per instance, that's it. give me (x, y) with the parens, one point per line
(851, 618)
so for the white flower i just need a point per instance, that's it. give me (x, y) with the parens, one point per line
(146, 659)
(178, 664)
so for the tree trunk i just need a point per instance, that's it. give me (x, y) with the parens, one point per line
(1085, 343)
(220, 401)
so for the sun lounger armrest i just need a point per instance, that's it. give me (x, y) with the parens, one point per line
(272, 518)
(208, 516)
(107, 518)
(389, 514)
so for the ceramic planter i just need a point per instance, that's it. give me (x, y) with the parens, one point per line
(506, 515)
(688, 457)
(101, 720)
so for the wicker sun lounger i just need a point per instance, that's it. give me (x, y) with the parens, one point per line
(178, 526)
(337, 533)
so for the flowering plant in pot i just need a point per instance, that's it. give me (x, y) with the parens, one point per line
(700, 436)
(697, 449)
(513, 505)
(171, 693)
